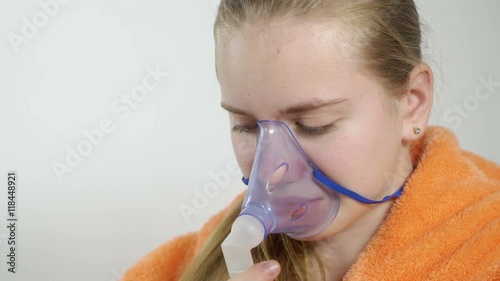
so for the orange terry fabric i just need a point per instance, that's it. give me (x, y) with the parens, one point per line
(445, 226)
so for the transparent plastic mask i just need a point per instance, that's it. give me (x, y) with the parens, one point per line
(282, 191)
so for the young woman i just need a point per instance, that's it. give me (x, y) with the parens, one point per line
(347, 80)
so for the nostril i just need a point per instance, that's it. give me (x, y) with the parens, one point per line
(277, 177)
(299, 212)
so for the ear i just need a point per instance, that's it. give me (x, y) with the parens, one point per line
(418, 102)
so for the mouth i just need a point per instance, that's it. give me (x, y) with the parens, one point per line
(293, 208)
(295, 200)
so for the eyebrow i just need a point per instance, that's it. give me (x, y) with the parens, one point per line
(233, 109)
(299, 108)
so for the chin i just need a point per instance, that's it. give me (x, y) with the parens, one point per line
(328, 232)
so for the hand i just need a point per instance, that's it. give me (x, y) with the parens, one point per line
(263, 271)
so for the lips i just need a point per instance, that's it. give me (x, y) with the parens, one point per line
(292, 208)
(294, 200)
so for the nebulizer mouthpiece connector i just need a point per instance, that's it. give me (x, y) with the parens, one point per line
(246, 233)
(287, 193)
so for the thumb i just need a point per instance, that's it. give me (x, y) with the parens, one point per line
(263, 271)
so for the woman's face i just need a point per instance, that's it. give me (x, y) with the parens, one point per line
(304, 74)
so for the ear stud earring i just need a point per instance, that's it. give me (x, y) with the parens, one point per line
(416, 130)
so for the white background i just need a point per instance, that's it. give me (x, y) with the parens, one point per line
(122, 200)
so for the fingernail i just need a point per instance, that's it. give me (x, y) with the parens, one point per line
(271, 267)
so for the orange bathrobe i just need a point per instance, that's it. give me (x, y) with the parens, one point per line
(445, 226)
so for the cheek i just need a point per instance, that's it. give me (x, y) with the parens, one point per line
(244, 150)
(358, 156)
(350, 154)
(337, 159)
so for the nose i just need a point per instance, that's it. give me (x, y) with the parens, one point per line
(276, 158)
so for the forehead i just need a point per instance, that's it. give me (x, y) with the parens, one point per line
(299, 58)
(304, 40)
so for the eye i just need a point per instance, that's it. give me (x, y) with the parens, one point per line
(315, 131)
(247, 129)
(306, 130)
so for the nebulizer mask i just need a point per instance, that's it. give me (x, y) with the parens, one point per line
(287, 193)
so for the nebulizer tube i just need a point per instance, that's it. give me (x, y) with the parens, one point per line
(246, 233)
(287, 193)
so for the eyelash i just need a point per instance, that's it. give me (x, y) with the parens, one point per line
(309, 131)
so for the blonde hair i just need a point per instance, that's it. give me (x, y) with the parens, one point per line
(388, 42)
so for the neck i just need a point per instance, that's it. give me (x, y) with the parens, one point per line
(340, 251)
